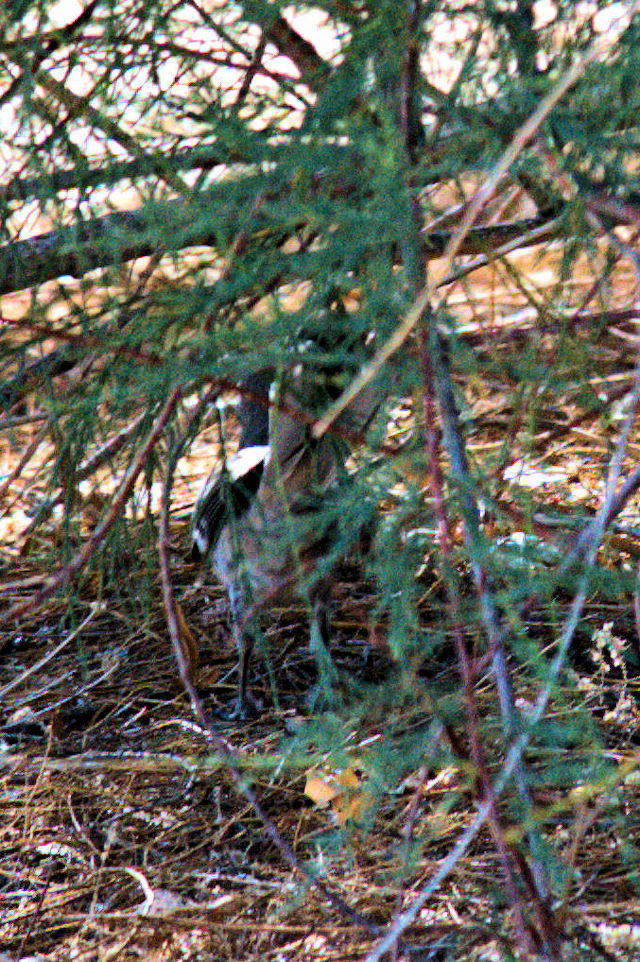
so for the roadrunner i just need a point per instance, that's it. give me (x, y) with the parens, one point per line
(259, 517)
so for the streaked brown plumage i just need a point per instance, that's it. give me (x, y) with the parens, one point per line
(259, 519)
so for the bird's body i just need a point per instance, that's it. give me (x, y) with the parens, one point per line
(229, 491)
(259, 518)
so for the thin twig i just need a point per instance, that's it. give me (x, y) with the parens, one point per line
(514, 754)
(536, 235)
(523, 136)
(403, 921)
(454, 445)
(220, 744)
(95, 609)
(29, 451)
(251, 71)
(467, 675)
(89, 467)
(100, 533)
(437, 384)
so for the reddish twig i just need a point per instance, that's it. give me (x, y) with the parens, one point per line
(251, 71)
(445, 541)
(454, 444)
(89, 467)
(89, 341)
(29, 451)
(434, 384)
(100, 533)
(221, 745)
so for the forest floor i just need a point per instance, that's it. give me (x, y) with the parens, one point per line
(123, 835)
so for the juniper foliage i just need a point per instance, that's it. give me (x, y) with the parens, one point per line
(192, 192)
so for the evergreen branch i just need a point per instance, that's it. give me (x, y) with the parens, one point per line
(94, 342)
(205, 157)
(432, 443)
(408, 324)
(592, 540)
(82, 107)
(437, 386)
(202, 157)
(126, 235)
(515, 752)
(62, 36)
(221, 745)
(313, 69)
(97, 537)
(482, 195)
(63, 359)
(540, 893)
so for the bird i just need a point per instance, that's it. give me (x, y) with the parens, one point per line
(258, 517)
(227, 492)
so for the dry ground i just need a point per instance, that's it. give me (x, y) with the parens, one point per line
(122, 836)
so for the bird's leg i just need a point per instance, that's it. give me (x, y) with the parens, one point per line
(321, 639)
(321, 606)
(245, 705)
